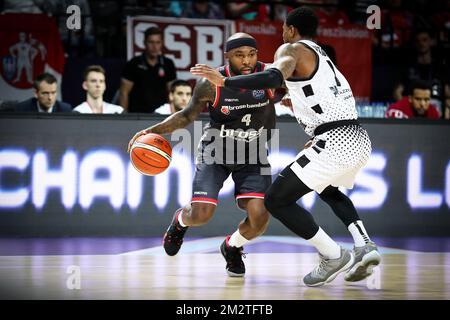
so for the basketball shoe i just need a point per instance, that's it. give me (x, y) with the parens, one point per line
(366, 258)
(233, 256)
(328, 269)
(173, 238)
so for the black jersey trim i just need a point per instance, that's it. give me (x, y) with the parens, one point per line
(298, 79)
(227, 70)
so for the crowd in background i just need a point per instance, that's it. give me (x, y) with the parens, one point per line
(411, 47)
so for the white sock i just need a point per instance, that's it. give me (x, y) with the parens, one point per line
(325, 245)
(359, 233)
(180, 219)
(237, 240)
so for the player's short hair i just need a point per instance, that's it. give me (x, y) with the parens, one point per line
(93, 68)
(178, 83)
(152, 31)
(416, 32)
(419, 84)
(47, 77)
(304, 20)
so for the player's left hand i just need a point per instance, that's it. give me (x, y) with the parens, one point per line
(137, 135)
(214, 76)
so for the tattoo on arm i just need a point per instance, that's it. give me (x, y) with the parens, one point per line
(204, 92)
(286, 60)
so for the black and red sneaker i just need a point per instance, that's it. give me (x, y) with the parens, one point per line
(233, 256)
(173, 238)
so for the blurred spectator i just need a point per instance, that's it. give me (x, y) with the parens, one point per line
(106, 16)
(330, 15)
(416, 105)
(175, 8)
(248, 11)
(441, 22)
(94, 84)
(202, 9)
(396, 24)
(76, 42)
(145, 79)
(46, 88)
(27, 6)
(147, 7)
(398, 92)
(179, 96)
(280, 12)
(358, 14)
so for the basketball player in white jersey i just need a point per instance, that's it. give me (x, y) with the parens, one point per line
(339, 147)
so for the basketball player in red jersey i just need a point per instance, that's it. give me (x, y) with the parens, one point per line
(238, 117)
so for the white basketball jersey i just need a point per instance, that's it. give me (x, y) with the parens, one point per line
(324, 97)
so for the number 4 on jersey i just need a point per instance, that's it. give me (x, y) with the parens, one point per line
(247, 119)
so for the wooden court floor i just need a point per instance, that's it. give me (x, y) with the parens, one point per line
(202, 276)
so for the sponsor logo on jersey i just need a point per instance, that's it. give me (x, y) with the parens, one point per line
(258, 94)
(231, 100)
(336, 91)
(225, 110)
(245, 106)
(239, 134)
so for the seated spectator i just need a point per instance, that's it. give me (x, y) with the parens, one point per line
(202, 9)
(94, 84)
(179, 96)
(46, 88)
(416, 105)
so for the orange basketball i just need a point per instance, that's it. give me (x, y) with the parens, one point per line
(151, 154)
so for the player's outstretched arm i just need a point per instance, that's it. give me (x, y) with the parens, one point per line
(273, 77)
(204, 92)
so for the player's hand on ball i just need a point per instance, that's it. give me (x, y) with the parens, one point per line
(137, 135)
(214, 76)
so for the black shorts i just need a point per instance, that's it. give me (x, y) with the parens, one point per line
(248, 181)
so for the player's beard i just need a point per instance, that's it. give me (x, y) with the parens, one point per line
(236, 71)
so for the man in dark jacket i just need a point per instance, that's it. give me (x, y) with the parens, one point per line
(45, 94)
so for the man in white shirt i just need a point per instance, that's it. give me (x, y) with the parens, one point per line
(179, 96)
(95, 86)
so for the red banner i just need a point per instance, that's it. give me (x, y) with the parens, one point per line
(30, 45)
(353, 46)
(268, 36)
(186, 41)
